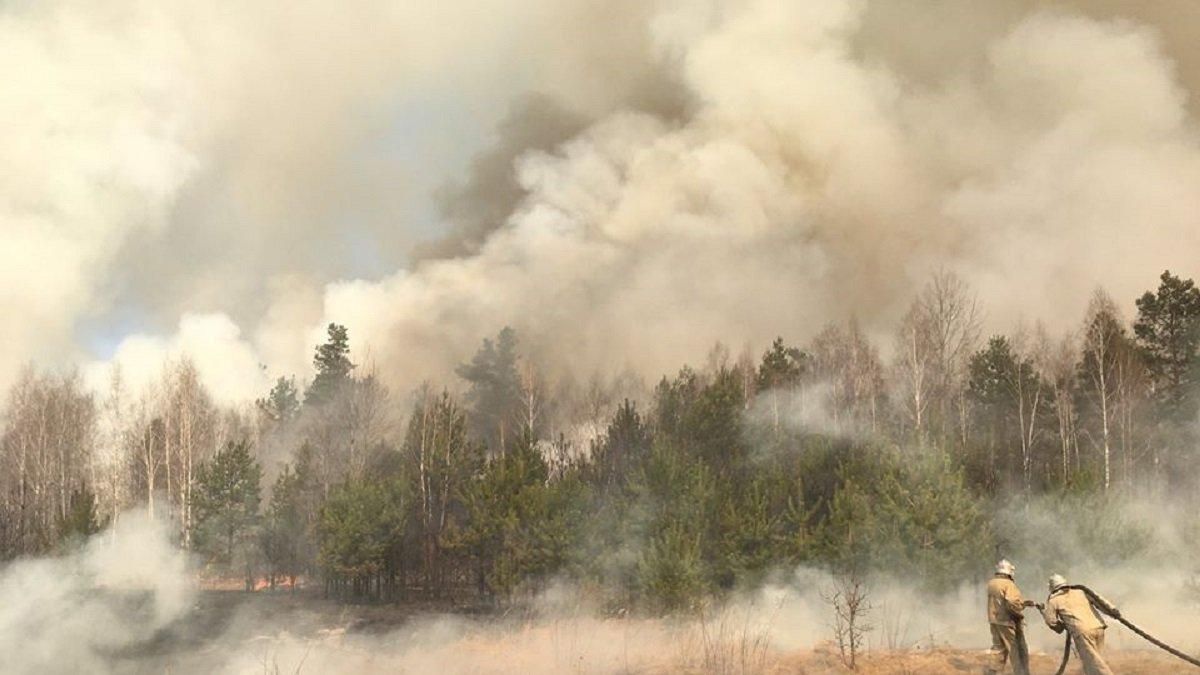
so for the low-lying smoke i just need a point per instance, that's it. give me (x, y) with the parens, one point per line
(126, 601)
(92, 609)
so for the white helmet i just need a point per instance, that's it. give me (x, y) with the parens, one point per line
(1005, 567)
(1056, 582)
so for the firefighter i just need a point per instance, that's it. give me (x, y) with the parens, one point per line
(1005, 608)
(1069, 609)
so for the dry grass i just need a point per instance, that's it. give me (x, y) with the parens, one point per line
(954, 661)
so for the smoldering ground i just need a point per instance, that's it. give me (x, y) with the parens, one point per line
(127, 602)
(80, 612)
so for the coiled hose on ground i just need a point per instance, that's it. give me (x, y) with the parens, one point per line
(1104, 606)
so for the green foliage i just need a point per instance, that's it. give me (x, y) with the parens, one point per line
(999, 383)
(623, 447)
(440, 461)
(495, 390)
(282, 403)
(1168, 333)
(672, 401)
(286, 536)
(332, 361)
(762, 525)
(677, 498)
(225, 503)
(931, 523)
(782, 367)
(359, 525)
(991, 371)
(672, 571)
(1074, 528)
(714, 423)
(518, 525)
(917, 516)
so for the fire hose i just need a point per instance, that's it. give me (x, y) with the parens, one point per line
(1109, 610)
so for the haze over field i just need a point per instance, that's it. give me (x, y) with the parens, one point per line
(625, 184)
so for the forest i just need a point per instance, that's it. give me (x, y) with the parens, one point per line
(653, 496)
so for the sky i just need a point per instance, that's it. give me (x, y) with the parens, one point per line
(624, 182)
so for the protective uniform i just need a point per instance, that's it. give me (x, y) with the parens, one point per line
(1070, 609)
(1004, 607)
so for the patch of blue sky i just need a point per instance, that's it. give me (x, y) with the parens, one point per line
(101, 333)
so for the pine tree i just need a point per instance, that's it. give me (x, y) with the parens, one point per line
(1007, 394)
(624, 445)
(282, 403)
(781, 372)
(361, 525)
(285, 532)
(519, 525)
(714, 423)
(1168, 333)
(495, 393)
(225, 504)
(782, 367)
(332, 361)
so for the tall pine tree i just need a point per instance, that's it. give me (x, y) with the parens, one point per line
(1168, 333)
(332, 361)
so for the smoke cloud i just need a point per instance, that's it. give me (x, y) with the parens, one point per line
(660, 177)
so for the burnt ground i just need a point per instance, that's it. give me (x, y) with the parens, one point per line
(218, 618)
(225, 621)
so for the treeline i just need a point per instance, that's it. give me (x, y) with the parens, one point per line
(653, 497)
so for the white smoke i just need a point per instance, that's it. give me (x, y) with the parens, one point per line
(808, 164)
(85, 611)
(126, 603)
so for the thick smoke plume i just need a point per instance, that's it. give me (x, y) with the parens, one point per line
(688, 172)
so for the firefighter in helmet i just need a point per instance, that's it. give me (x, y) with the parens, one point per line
(1071, 609)
(1005, 607)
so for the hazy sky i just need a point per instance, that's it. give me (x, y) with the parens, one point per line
(625, 182)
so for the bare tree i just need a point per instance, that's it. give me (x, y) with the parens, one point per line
(1056, 364)
(189, 420)
(533, 395)
(933, 346)
(437, 446)
(850, 368)
(46, 452)
(849, 600)
(913, 369)
(1107, 372)
(1029, 393)
(370, 421)
(113, 442)
(347, 429)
